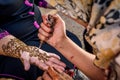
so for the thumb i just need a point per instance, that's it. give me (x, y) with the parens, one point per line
(25, 58)
(26, 64)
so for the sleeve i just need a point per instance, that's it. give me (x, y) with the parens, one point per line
(8, 7)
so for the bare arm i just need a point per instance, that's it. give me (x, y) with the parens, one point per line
(82, 59)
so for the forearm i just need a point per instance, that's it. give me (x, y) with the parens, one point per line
(82, 59)
(11, 46)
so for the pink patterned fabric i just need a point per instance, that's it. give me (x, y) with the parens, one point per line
(36, 24)
(3, 34)
(28, 3)
(32, 13)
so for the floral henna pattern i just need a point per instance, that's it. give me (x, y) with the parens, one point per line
(35, 52)
(15, 48)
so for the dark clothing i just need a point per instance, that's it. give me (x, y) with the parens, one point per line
(15, 19)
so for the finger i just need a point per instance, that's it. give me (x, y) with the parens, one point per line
(44, 17)
(59, 70)
(42, 66)
(26, 64)
(46, 34)
(54, 55)
(45, 20)
(39, 78)
(42, 32)
(54, 74)
(39, 63)
(57, 66)
(42, 37)
(25, 60)
(56, 61)
(46, 76)
(46, 28)
(57, 17)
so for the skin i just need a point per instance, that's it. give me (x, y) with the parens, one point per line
(57, 38)
(53, 74)
(29, 54)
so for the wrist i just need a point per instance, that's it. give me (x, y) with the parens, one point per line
(60, 42)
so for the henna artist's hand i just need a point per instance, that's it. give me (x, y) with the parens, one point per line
(41, 59)
(52, 35)
(53, 74)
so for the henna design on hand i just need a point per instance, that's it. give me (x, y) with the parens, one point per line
(15, 48)
(34, 52)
